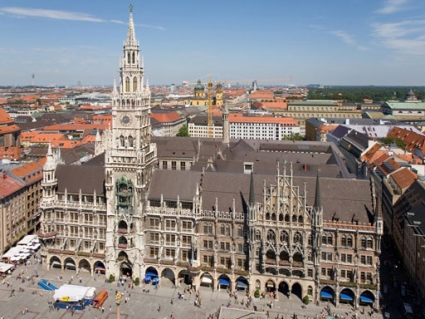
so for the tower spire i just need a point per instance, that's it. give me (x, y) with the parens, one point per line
(131, 35)
(226, 139)
(251, 190)
(317, 198)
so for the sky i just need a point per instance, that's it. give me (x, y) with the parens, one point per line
(329, 42)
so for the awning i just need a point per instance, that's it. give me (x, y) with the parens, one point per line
(345, 297)
(151, 273)
(5, 267)
(99, 268)
(206, 280)
(326, 294)
(241, 284)
(224, 282)
(56, 263)
(270, 284)
(70, 265)
(365, 299)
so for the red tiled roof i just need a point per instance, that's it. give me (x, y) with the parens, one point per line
(5, 117)
(9, 185)
(275, 105)
(411, 139)
(29, 172)
(166, 117)
(9, 129)
(89, 139)
(404, 177)
(75, 127)
(371, 152)
(11, 152)
(262, 94)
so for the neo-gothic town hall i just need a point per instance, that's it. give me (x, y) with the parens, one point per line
(277, 216)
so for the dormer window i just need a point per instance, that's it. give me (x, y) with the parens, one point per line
(248, 167)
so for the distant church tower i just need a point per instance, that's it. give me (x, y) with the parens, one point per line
(129, 161)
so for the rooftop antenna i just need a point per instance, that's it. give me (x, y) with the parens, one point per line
(32, 80)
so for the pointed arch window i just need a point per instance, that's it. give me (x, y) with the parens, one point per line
(128, 58)
(257, 235)
(240, 231)
(363, 242)
(134, 85)
(298, 238)
(271, 235)
(227, 230)
(284, 238)
(127, 84)
(134, 58)
(122, 141)
(130, 141)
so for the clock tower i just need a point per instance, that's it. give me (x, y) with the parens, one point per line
(129, 160)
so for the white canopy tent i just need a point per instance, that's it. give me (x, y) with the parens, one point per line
(71, 293)
(28, 239)
(5, 267)
(12, 252)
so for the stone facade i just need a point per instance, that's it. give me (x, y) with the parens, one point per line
(231, 219)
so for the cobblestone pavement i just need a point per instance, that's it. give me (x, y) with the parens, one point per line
(142, 304)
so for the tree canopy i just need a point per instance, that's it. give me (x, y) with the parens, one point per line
(356, 94)
(183, 131)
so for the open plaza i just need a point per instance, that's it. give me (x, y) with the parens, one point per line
(19, 295)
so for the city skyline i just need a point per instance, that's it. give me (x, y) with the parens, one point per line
(354, 42)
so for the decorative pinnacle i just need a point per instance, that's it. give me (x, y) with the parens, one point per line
(131, 8)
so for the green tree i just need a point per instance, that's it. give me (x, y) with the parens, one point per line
(400, 143)
(183, 131)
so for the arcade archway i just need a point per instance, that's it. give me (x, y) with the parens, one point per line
(270, 286)
(297, 290)
(55, 262)
(207, 280)
(126, 269)
(99, 267)
(168, 274)
(327, 294)
(367, 297)
(224, 282)
(347, 295)
(284, 288)
(70, 264)
(242, 284)
(84, 265)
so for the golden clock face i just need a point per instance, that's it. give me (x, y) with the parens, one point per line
(126, 119)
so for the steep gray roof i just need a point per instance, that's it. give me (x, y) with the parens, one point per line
(169, 184)
(348, 199)
(76, 177)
